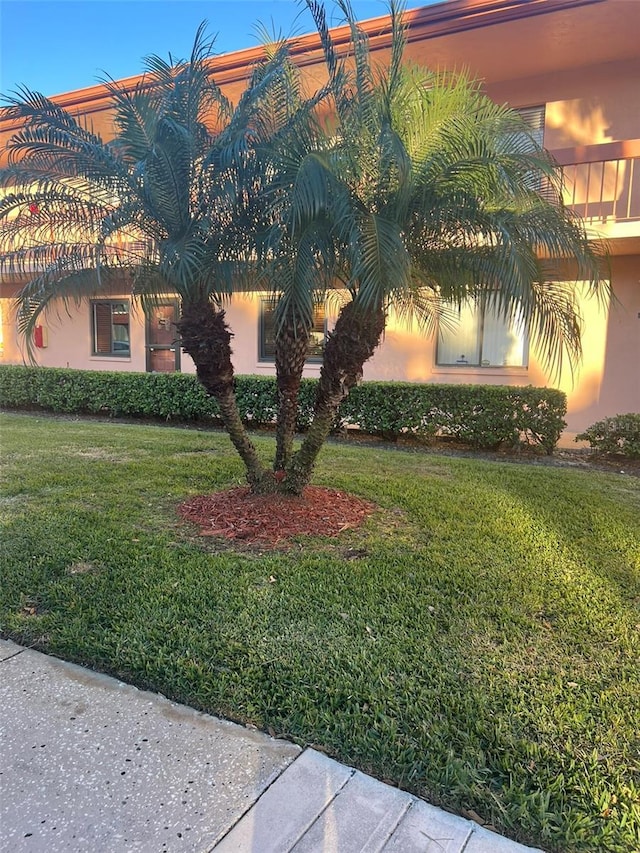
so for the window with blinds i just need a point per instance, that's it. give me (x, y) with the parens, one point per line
(267, 336)
(110, 328)
(483, 338)
(533, 117)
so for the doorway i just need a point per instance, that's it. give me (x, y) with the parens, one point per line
(163, 351)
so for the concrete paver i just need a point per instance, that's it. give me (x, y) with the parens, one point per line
(281, 817)
(90, 764)
(9, 649)
(315, 806)
(363, 816)
(429, 830)
(484, 841)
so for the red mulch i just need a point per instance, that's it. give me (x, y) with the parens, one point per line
(272, 519)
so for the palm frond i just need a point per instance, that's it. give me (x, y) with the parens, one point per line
(380, 263)
(135, 116)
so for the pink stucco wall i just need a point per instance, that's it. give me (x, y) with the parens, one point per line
(584, 106)
(607, 381)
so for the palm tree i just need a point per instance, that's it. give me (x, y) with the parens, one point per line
(171, 200)
(294, 257)
(421, 194)
(427, 195)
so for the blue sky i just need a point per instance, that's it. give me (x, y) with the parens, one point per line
(55, 47)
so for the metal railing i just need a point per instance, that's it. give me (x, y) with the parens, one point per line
(602, 182)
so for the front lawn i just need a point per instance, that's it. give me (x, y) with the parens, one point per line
(476, 642)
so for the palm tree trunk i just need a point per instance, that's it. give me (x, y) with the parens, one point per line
(356, 335)
(292, 345)
(206, 337)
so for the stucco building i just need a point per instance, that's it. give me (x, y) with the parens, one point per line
(573, 68)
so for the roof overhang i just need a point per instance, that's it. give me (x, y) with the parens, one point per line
(495, 39)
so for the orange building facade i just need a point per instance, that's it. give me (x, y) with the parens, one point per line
(573, 68)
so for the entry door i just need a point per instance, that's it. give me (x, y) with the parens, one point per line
(163, 352)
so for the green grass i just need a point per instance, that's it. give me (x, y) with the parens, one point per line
(477, 642)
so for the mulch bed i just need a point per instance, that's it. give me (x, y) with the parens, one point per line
(274, 519)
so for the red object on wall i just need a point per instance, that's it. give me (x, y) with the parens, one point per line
(39, 337)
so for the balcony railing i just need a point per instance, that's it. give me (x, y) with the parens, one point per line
(602, 182)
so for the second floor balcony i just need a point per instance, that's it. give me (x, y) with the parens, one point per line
(602, 185)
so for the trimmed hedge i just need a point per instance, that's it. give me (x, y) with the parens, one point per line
(483, 416)
(620, 434)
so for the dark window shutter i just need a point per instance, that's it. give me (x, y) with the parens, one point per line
(102, 327)
(267, 331)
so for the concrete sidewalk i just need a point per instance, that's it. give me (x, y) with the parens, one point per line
(90, 764)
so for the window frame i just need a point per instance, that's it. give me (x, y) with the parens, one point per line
(113, 351)
(265, 306)
(480, 343)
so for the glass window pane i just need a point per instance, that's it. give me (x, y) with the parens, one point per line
(318, 334)
(267, 332)
(121, 339)
(461, 345)
(504, 342)
(267, 343)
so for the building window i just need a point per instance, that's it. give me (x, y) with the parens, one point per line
(110, 328)
(267, 336)
(483, 338)
(533, 117)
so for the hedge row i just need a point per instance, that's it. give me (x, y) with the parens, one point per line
(483, 416)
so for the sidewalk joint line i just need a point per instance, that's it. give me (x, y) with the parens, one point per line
(14, 655)
(401, 817)
(468, 838)
(251, 805)
(326, 806)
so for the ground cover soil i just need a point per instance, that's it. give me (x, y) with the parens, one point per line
(274, 519)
